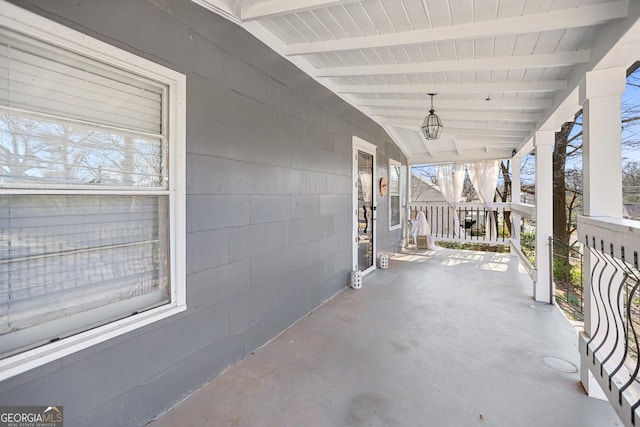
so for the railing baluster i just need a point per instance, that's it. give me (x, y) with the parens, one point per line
(617, 311)
(593, 251)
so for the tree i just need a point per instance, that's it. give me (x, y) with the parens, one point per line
(631, 182)
(567, 182)
(505, 194)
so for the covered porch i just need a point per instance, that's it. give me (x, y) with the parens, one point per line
(442, 337)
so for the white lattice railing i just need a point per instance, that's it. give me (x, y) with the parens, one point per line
(609, 346)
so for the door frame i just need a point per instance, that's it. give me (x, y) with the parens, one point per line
(360, 144)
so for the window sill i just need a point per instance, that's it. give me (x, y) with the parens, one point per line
(23, 362)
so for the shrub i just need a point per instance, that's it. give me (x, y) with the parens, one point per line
(528, 244)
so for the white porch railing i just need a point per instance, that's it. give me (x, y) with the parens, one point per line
(609, 346)
(472, 219)
(523, 217)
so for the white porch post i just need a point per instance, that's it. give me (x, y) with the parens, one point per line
(407, 217)
(600, 93)
(543, 286)
(515, 198)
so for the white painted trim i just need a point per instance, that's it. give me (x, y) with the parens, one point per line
(459, 115)
(275, 8)
(557, 59)
(423, 105)
(28, 360)
(393, 163)
(219, 8)
(463, 88)
(360, 144)
(36, 26)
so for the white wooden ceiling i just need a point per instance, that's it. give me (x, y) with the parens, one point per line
(500, 68)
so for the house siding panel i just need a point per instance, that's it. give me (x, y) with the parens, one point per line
(268, 210)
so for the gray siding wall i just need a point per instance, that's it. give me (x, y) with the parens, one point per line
(269, 212)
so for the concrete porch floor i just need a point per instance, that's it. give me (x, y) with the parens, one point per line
(442, 338)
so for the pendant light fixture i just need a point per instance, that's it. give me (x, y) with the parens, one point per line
(432, 125)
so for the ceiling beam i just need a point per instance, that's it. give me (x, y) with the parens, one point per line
(558, 59)
(487, 124)
(483, 138)
(469, 156)
(535, 23)
(415, 124)
(487, 132)
(543, 86)
(409, 104)
(464, 115)
(272, 8)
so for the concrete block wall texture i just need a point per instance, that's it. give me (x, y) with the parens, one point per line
(269, 210)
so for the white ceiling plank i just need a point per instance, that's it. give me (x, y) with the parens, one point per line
(361, 19)
(438, 12)
(320, 28)
(397, 15)
(378, 16)
(461, 11)
(558, 59)
(546, 86)
(302, 26)
(540, 22)
(525, 44)
(485, 11)
(273, 8)
(537, 104)
(462, 115)
(417, 14)
(455, 146)
(340, 15)
(511, 8)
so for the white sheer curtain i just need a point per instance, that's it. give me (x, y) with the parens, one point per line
(484, 176)
(365, 184)
(450, 180)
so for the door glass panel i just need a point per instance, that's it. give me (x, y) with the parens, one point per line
(365, 210)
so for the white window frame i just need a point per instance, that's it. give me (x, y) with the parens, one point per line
(38, 27)
(395, 163)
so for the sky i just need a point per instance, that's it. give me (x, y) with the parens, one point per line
(630, 133)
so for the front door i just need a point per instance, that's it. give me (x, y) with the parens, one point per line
(364, 206)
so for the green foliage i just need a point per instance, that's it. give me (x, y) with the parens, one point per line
(450, 245)
(528, 244)
(567, 270)
(473, 246)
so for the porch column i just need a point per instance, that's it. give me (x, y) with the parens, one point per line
(543, 286)
(515, 198)
(600, 97)
(407, 209)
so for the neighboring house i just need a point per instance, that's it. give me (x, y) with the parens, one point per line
(424, 191)
(181, 171)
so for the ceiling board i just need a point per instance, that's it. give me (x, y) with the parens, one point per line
(523, 54)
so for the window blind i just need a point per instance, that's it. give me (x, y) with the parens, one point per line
(63, 256)
(73, 261)
(41, 77)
